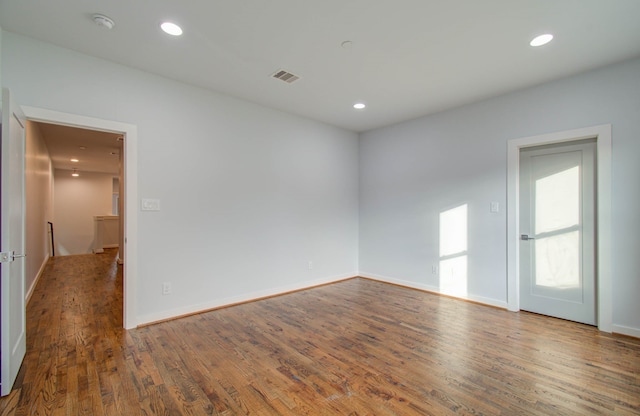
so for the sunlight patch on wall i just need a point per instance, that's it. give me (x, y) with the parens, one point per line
(453, 251)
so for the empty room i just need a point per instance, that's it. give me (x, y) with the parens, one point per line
(320, 208)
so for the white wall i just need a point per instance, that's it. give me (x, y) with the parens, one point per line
(115, 196)
(248, 194)
(1, 83)
(412, 171)
(76, 201)
(38, 210)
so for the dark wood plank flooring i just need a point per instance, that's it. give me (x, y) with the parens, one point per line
(357, 347)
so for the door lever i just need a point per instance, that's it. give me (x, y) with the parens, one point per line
(525, 237)
(9, 256)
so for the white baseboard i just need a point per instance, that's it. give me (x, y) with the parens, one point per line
(35, 281)
(617, 329)
(433, 289)
(233, 300)
(625, 330)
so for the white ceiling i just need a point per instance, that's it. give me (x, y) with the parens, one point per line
(96, 151)
(409, 57)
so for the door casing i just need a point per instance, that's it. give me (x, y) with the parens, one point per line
(129, 131)
(602, 135)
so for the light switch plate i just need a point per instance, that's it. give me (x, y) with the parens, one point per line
(150, 204)
(495, 207)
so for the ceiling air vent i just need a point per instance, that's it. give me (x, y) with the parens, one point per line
(285, 76)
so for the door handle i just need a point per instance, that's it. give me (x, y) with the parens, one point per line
(9, 256)
(525, 237)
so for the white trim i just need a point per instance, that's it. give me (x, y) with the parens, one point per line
(625, 330)
(433, 289)
(602, 134)
(35, 281)
(233, 300)
(130, 131)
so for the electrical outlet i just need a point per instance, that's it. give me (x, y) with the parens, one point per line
(310, 265)
(434, 269)
(166, 288)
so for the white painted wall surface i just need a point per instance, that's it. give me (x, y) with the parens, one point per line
(1, 82)
(248, 195)
(412, 171)
(38, 208)
(76, 201)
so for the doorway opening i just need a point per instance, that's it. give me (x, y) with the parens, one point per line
(128, 191)
(86, 178)
(602, 137)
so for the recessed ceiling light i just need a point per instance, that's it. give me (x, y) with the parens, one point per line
(74, 160)
(541, 40)
(82, 148)
(171, 28)
(75, 173)
(359, 106)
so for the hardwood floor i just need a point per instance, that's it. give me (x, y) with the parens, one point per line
(357, 347)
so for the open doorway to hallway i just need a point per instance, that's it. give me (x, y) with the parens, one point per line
(73, 176)
(86, 180)
(128, 249)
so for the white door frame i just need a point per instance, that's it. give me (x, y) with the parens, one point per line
(130, 180)
(602, 134)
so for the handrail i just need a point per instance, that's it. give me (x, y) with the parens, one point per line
(53, 247)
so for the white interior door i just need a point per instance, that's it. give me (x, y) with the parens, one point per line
(557, 227)
(12, 246)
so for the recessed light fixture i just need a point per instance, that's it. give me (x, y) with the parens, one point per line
(82, 148)
(104, 21)
(74, 160)
(75, 173)
(359, 106)
(171, 28)
(541, 40)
